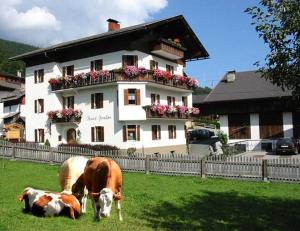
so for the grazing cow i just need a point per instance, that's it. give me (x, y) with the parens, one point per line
(71, 179)
(43, 203)
(103, 179)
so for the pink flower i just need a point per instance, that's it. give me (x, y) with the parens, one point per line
(181, 109)
(192, 82)
(131, 71)
(161, 109)
(158, 74)
(167, 75)
(195, 111)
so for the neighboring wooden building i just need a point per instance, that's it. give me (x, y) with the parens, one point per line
(252, 108)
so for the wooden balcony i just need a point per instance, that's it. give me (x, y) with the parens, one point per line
(168, 50)
(117, 76)
(154, 115)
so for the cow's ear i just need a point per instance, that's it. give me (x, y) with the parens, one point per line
(117, 197)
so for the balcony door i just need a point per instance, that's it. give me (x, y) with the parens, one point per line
(71, 136)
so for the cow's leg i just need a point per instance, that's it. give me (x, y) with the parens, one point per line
(84, 200)
(96, 209)
(118, 205)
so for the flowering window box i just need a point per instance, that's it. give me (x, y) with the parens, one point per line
(68, 115)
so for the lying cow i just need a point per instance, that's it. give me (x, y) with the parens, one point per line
(71, 179)
(43, 203)
(103, 179)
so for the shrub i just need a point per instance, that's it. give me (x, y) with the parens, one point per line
(97, 147)
(47, 143)
(222, 137)
(131, 151)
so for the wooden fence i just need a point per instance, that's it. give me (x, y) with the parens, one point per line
(237, 167)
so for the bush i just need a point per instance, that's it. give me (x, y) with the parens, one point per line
(131, 151)
(47, 143)
(222, 137)
(97, 147)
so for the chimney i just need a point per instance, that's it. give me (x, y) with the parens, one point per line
(230, 76)
(113, 24)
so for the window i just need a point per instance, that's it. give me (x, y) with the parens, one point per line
(172, 131)
(153, 65)
(239, 126)
(97, 100)
(68, 102)
(184, 101)
(97, 65)
(129, 60)
(39, 76)
(132, 96)
(39, 106)
(68, 70)
(270, 125)
(171, 100)
(170, 69)
(155, 98)
(97, 134)
(39, 135)
(131, 132)
(156, 132)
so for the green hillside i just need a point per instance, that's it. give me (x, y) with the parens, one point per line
(9, 49)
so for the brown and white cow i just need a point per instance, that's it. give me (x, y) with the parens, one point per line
(44, 203)
(103, 179)
(71, 179)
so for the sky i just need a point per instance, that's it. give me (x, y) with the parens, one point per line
(221, 25)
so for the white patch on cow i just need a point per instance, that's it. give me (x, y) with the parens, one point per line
(105, 202)
(55, 206)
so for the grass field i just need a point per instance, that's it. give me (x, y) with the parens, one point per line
(153, 202)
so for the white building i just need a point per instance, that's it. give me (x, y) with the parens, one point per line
(115, 107)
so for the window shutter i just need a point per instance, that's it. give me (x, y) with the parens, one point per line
(92, 65)
(138, 96)
(124, 63)
(35, 106)
(159, 132)
(35, 135)
(101, 64)
(101, 134)
(152, 98)
(138, 138)
(92, 101)
(169, 100)
(64, 102)
(124, 133)
(174, 136)
(101, 100)
(169, 130)
(135, 58)
(93, 134)
(43, 135)
(158, 98)
(42, 73)
(153, 132)
(42, 105)
(64, 71)
(174, 101)
(35, 76)
(184, 101)
(126, 97)
(72, 70)
(152, 64)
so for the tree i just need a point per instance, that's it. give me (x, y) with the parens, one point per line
(278, 23)
(201, 90)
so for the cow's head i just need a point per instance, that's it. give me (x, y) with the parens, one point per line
(105, 202)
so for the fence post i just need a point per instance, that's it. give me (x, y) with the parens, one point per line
(147, 164)
(203, 169)
(13, 151)
(265, 170)
(51, 156)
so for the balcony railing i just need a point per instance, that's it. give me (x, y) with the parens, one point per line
(165, 115)
(169, 50)
(72, 82)
(68, 115)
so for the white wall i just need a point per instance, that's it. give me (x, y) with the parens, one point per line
(287, 118)
(111, 116)
(254, 126)
(224, 124)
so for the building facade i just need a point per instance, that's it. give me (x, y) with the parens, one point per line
(127, 93)
(252, 108)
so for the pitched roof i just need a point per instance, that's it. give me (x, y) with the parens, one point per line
(15, 94)
(247, 85)
(199, 98)
(111, 34)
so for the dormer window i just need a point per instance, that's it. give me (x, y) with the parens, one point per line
(129, 60)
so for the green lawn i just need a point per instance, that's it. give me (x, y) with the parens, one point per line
(153, 202)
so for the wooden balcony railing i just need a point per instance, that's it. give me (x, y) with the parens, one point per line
(175, 115)
(116, 76)
(169, 50)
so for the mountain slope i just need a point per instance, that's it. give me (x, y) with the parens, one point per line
(9, 49)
